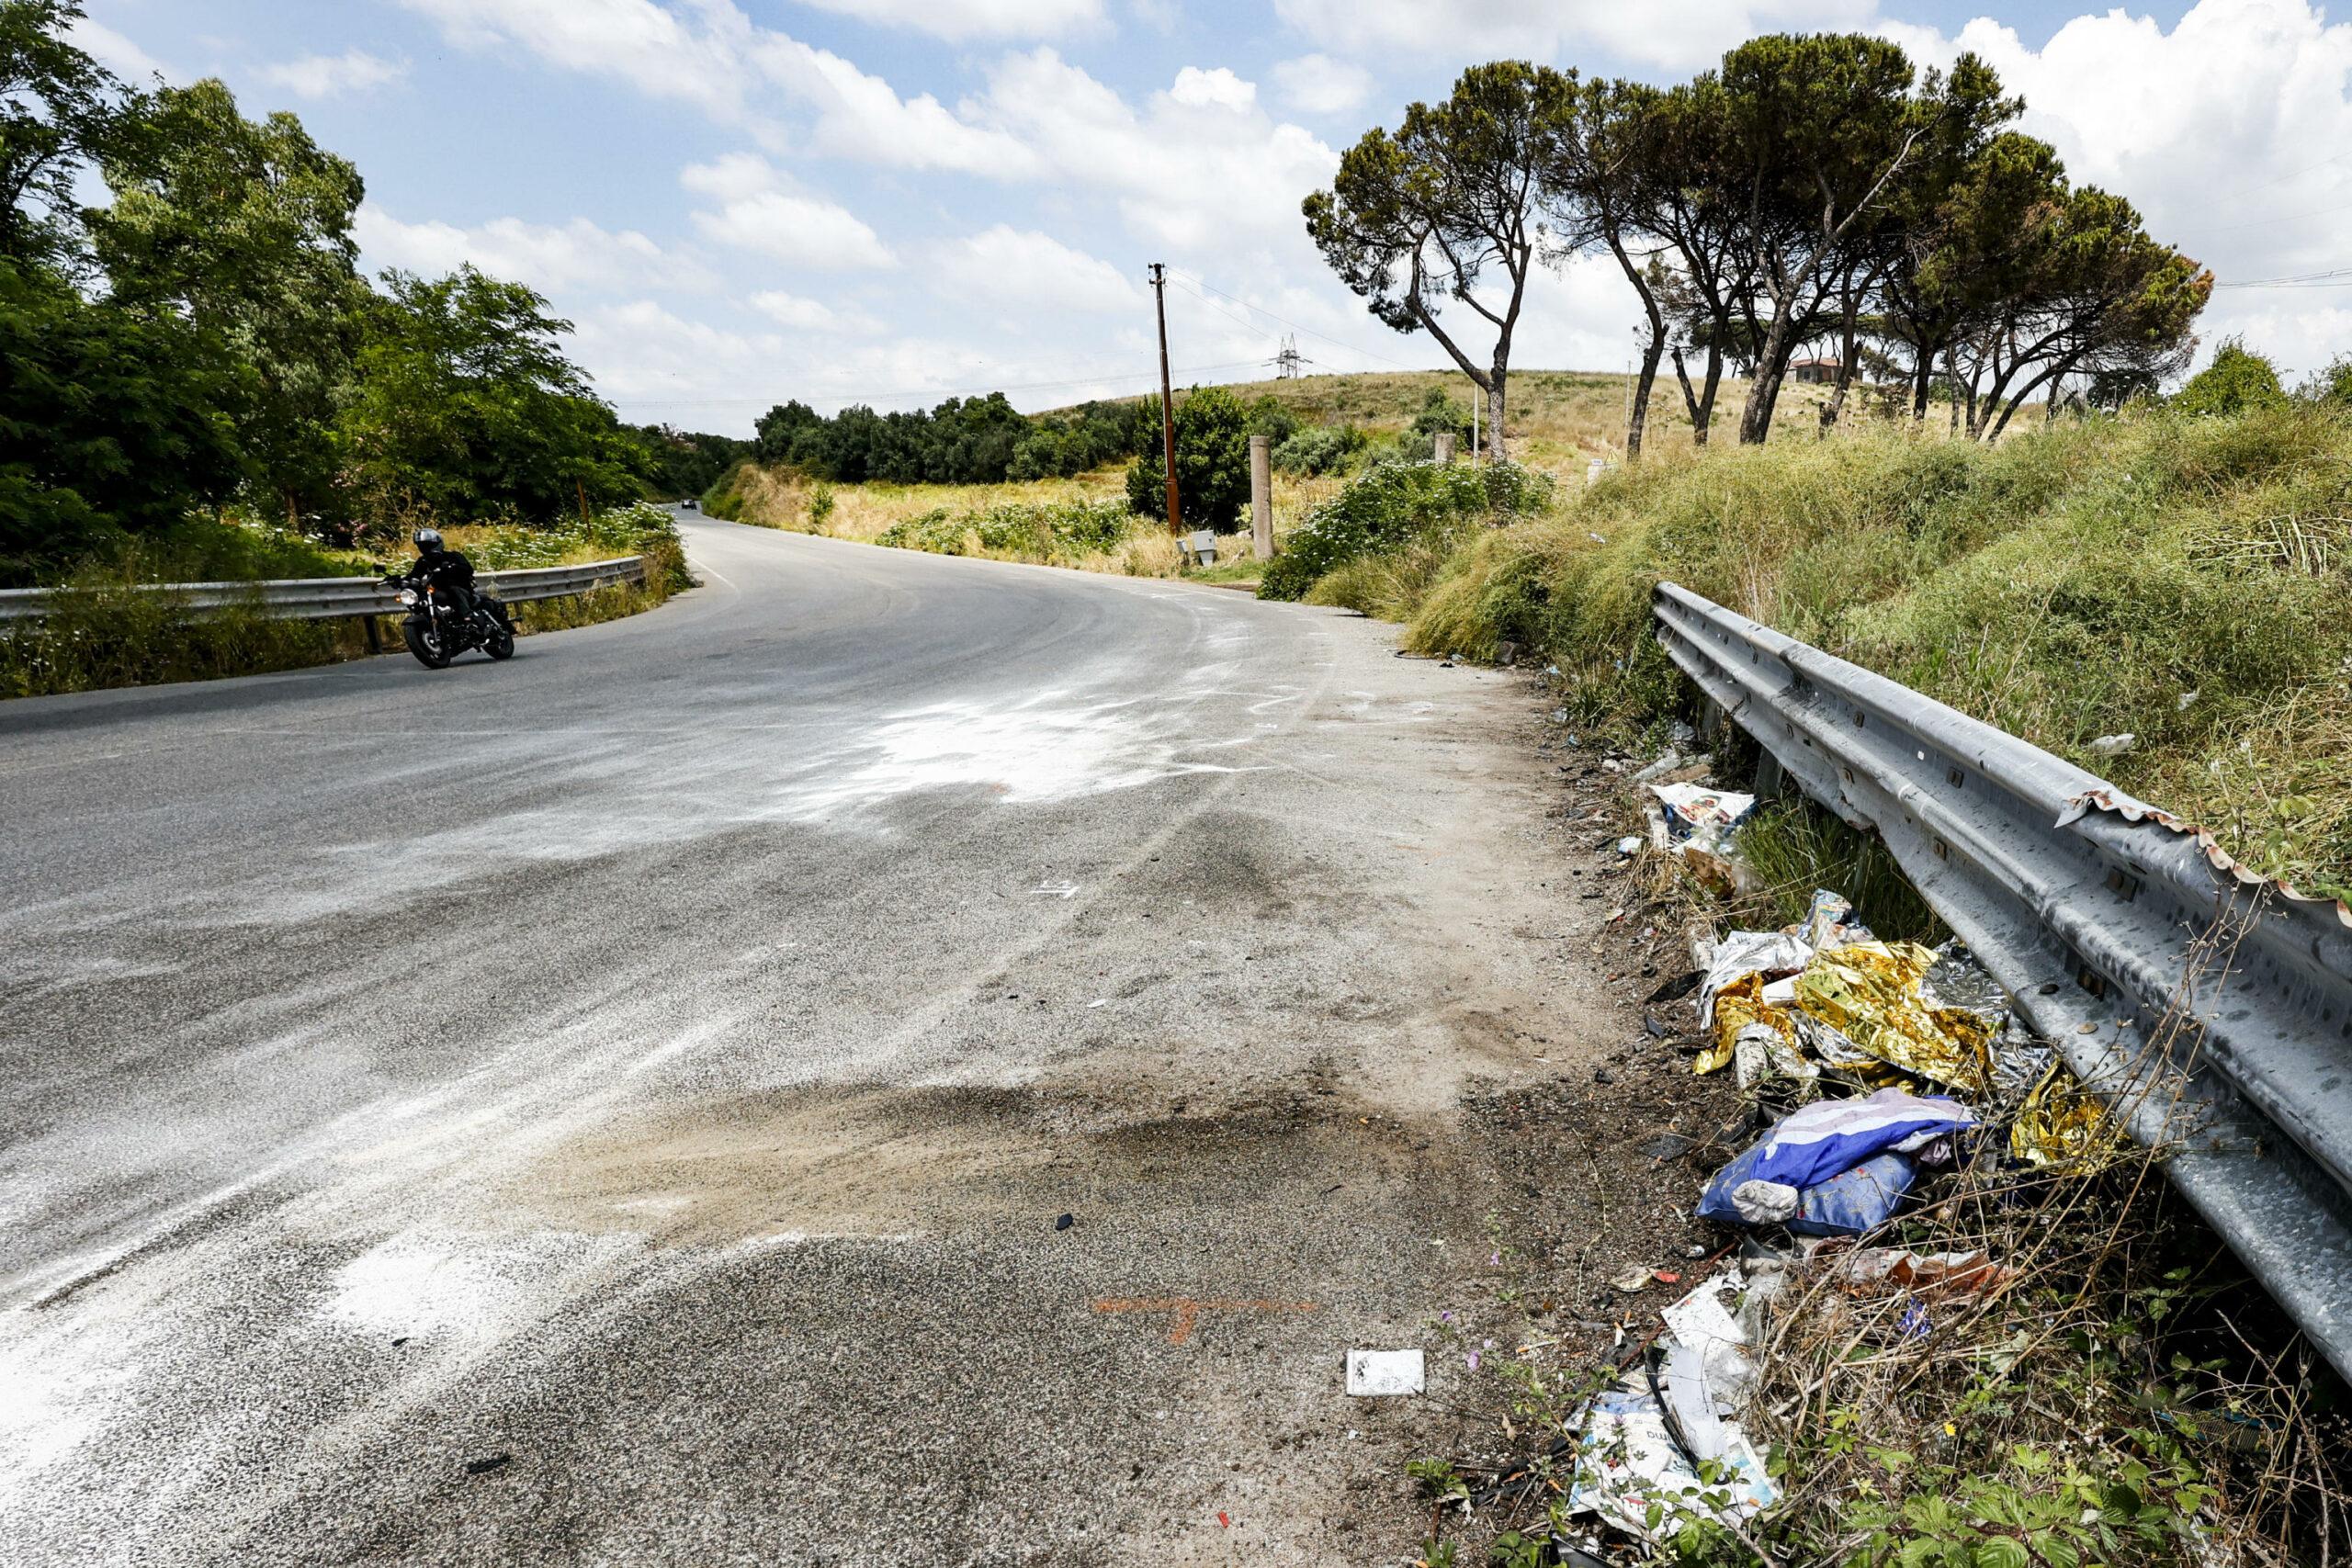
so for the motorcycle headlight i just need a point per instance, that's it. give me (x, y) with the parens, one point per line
(408, 595)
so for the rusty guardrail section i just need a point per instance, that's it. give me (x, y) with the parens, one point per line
(2212, 1007)
(335, 598)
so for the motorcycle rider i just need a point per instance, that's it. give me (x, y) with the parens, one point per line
(448, 571)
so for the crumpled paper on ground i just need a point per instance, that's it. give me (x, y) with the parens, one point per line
(1904, 1005)
(2061, 1122)
(1627, 1458)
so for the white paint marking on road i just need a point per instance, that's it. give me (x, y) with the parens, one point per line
(1058, 889)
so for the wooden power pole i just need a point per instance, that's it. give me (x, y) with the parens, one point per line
(1167, 400)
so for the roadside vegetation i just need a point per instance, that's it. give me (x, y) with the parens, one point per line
(202, 386)
(111, 629)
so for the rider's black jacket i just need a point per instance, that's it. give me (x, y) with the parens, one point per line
(444, 569)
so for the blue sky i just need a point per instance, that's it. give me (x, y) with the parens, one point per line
(741, 201)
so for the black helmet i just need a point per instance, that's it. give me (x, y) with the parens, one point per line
(427, 541)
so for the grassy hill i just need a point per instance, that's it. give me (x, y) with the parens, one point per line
(1557, 420)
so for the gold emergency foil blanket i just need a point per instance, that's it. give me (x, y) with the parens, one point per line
(2061, 1122)
(1738, 1005)
(1870, 992)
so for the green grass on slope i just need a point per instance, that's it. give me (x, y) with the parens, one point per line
(2185, 580)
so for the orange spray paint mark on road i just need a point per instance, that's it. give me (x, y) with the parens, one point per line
(1186, 1311)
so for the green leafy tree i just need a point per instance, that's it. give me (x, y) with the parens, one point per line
(468, 408)
(59, 110)
(1419, 221)
(109, 424)
(244, 229)
(2238, 381)
(1211, 463)
(1819, 126)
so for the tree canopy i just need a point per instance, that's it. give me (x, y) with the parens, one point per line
(1421, 220)
(199, 337)
(1811, 188)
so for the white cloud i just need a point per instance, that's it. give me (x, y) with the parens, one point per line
(1189, 173)
(959, 19)
(1025, 267)
(1319, 84)
(116, 52)
(1220, 88)
(642, 43)
(807, 315)
(759, 211)
(2219, 132)
(329, 75)
(551, 258)
(858, 116)
(1674, 33)
(710, 54)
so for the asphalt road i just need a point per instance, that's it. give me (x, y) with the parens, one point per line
(616, 1106)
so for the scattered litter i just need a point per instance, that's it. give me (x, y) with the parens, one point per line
(1934, 1014)
(2113, 745)
(1099, 1002)
(1629, 1461)
(1656, 1030)
(1835, 1167)
(2181, 703)
(1382, 1374)
(2061, 1122)
(1628, 845)
(1666, 1146)
(1223, 1520)
(489, 1463)
(1931, 1274)
(1708, 816)
(1064, 1221)
(1633, 1282)
(1672, 762)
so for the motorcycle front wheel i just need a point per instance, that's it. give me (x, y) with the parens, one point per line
(426, 644)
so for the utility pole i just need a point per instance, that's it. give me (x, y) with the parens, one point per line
(1167, 399)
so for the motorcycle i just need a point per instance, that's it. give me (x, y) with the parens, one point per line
(437, 633)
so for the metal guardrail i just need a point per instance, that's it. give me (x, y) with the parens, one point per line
(335, 598)
(2211, 1007)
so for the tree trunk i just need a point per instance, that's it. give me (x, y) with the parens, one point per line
(1701, 405)
(1495, 404)
(1771, 364)
(1638, 420)
(1923, 381)
(1849, 344)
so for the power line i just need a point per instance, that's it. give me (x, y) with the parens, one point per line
(2334, 277)
(1310, 332)
(972, 392)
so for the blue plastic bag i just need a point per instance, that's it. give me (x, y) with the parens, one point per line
(1846, 1205)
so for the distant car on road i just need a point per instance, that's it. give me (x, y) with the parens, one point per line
(689, 504)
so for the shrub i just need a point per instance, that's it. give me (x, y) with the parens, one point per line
(1317, 449)
(1034, 531)
(1394, 504)
(2238, 381)
(1212, 464)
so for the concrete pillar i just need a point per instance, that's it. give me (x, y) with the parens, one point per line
(1445, 447)
(1261, 500)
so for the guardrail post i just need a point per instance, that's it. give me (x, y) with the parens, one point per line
(375, 634)
(1261, 500)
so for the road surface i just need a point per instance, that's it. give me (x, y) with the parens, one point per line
(616, 1106)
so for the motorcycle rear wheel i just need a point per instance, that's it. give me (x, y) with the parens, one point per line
(500, 644)
(426, 645)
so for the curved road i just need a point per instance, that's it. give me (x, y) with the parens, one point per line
(616, 1106)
